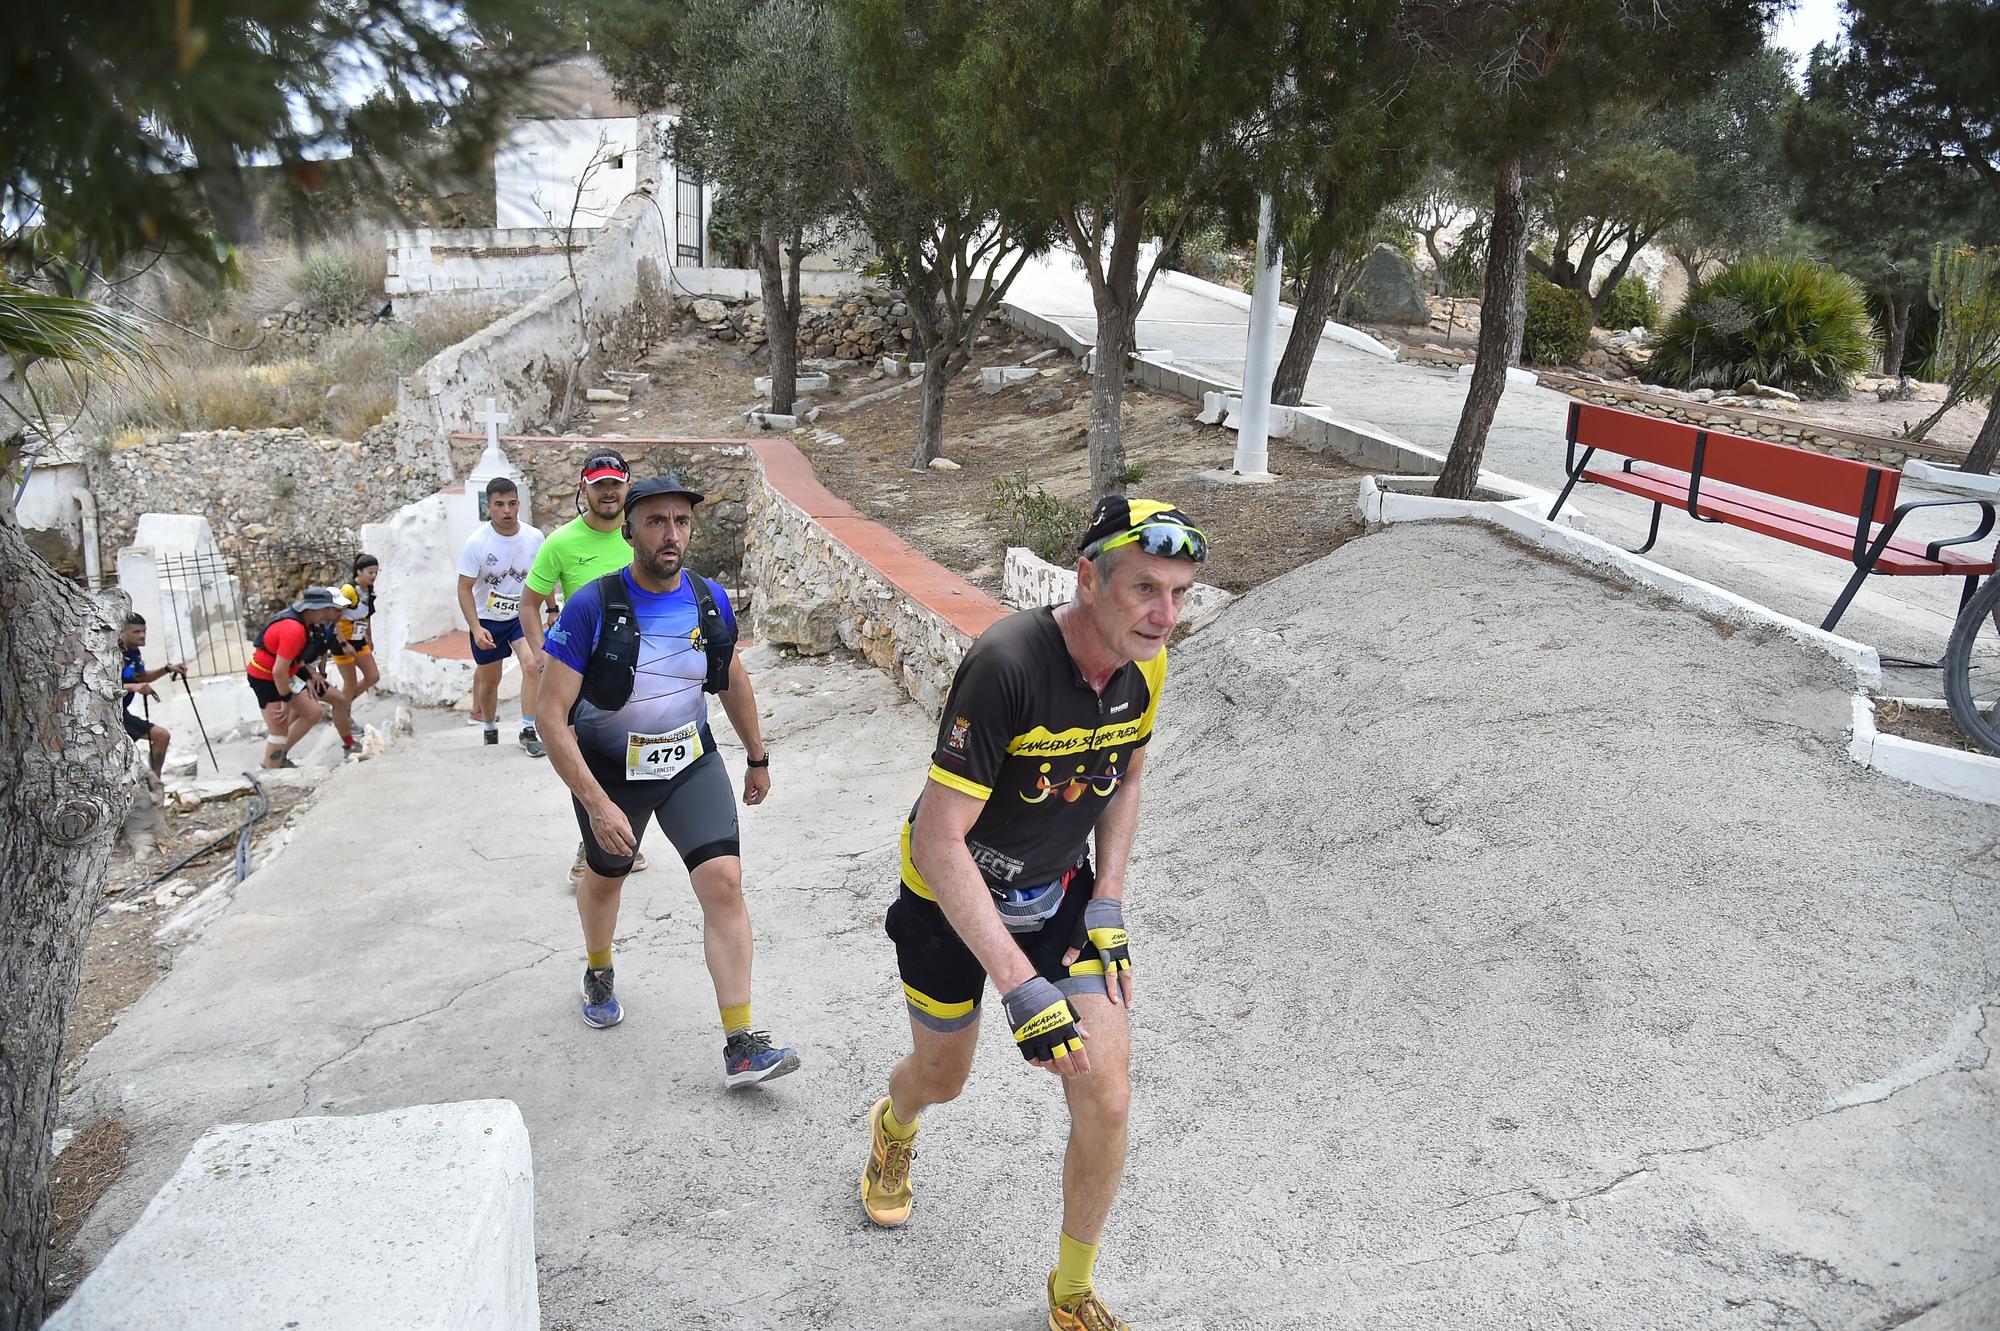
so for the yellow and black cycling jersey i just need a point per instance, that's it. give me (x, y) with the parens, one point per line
(1023, 731)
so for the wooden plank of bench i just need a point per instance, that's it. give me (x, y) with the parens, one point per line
(1828, 533)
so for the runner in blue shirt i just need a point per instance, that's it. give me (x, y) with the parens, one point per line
(652, 757)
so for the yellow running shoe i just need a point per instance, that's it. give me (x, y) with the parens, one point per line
(1081, 1312)
(885, 1183)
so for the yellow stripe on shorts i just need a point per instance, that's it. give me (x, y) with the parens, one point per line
(942, 1011)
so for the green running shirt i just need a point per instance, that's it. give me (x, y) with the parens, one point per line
(574, 554)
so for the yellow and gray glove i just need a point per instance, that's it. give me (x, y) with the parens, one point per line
(1043, 1022)
(1103, 927)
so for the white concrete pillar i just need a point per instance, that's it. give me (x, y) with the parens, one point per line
(1259, 364)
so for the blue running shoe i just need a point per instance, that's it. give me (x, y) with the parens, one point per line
(600, 1005)
(749, 1058)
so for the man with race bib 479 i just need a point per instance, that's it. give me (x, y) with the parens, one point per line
(629, 667)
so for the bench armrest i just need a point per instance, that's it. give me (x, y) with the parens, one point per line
(1931, 551)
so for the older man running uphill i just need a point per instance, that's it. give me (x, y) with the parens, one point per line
(629, 666)
(1041, 744)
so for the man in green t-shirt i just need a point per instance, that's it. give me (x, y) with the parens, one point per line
(587, 546)
(576, 553)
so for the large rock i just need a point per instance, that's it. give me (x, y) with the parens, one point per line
(1388, 291)
(710, 311)
(810, 627)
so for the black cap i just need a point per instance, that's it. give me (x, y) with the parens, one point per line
(654, 486)
(603, 465)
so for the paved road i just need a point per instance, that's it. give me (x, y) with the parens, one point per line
(1902, 616)
(1478, 990)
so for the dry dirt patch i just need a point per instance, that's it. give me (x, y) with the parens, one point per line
(861, 446)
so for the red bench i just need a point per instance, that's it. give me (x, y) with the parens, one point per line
(1837, 506)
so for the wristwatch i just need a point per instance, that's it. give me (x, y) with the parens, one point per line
(765, 761)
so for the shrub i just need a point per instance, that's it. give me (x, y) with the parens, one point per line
(1037, 519)
(328, 282)
(1788, 323)
(1558, 327)
(1464, 268)
(1632, 305)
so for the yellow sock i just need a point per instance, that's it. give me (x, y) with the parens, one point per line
(1073, 1267)
(894, 1128)
(735, 1017)
(597, 961)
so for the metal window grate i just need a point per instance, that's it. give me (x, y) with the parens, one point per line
(690, 225)
(201, 604)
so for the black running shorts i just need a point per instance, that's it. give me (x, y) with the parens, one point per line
(137, 726)
(696, 809)
(943, 982)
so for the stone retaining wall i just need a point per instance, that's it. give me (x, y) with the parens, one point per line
(813, 591)
(726, 473)
(282, 503)
(501, 265)
(1778, 429)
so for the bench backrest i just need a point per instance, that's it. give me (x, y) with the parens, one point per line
(1840, 485)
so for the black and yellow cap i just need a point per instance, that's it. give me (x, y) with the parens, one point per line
(1156, 527)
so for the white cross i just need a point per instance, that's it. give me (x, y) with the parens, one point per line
(492, 418)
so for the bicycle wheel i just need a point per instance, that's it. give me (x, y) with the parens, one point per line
(1972, 668)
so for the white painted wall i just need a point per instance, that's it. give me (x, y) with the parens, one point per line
(49, 502)
(537, 166)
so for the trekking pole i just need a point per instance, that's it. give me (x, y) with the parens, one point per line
(199, 726)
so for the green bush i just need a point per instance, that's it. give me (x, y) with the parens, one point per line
(1558, 328)
(1788, 323)
(328, 281)
(1632, 305)
(1037, 519)
(1464, 268)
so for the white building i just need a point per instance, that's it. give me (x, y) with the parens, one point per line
(579, 151)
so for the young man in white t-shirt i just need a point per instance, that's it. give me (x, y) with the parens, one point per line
(492, 570)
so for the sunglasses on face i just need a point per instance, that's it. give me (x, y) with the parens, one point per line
(1168, 539)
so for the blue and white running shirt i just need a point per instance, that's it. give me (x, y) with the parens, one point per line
(666, 695)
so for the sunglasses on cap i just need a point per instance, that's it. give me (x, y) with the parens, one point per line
(1169, 540)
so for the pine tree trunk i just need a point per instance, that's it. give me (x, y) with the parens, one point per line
(1502, 316)
(1980, 459)
(938, 371)
(1437, 263)
(781, 323)
(1288, 386)
(63, 796)
(1898, 339)
(1117, 302)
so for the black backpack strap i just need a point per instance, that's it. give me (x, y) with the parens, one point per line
(718, 640)
(614, 657)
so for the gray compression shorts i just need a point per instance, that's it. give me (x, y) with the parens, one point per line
(696, 809)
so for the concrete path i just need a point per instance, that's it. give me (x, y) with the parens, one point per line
(1516, 951)
(1902, 616)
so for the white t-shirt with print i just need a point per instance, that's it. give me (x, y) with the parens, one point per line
(498, 566)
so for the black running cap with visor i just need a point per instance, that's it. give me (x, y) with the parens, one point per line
(655, 486)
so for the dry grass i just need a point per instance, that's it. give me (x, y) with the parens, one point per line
(346, 385)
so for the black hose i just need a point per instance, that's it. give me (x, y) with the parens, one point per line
(253, 813)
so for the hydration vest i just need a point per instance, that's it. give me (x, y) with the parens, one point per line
(614, 659)
(316, 639)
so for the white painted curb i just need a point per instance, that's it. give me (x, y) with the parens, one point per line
(1338, 332)
(1970, 776)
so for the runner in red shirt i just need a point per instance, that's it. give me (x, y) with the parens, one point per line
(285, 675)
